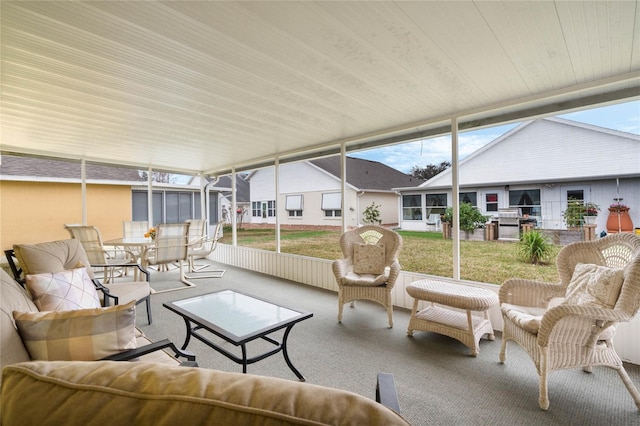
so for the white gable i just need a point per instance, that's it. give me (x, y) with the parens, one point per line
(294, 178)
(549, 149)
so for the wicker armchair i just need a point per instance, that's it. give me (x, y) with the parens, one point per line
(556, 331)
(370, 267)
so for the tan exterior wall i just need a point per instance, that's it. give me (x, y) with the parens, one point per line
(388, 206)
(32, 212)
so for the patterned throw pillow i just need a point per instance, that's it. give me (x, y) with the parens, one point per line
(63, 291)
(594, 285)
(368, 259)
(78, 335)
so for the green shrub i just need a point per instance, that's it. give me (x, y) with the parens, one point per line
(470, 217)
(371, 215)
(534, 248)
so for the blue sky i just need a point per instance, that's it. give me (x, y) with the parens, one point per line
(623, 117)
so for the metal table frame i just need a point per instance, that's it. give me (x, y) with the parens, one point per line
(194, 323)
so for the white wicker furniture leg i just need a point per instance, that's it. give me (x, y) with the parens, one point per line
(468, 328)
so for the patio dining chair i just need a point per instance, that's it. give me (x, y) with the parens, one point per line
(171, 245)
(370, 267)
(113, 258)
(572, 323)
(201, 246)
(134, 228)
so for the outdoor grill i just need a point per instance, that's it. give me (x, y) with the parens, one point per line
(509, 224)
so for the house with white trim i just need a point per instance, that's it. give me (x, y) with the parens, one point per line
(537, 167)
(309, 192)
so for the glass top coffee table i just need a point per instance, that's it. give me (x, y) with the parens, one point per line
(239, 319)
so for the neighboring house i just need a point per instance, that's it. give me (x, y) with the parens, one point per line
(533, 168)
(243, 202)
(46, 194)
(310, 192)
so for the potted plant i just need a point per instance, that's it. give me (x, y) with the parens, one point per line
(470, 218)
(590, 213)
(619, 219)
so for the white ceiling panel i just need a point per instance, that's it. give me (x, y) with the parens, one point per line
(207, 86)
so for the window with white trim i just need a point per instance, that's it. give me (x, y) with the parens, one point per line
(256, 208)
(491, 202)
(271, 208)
(332, 204)
(412, 207)
(294, 205)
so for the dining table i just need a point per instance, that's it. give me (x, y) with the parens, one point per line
(136, 245)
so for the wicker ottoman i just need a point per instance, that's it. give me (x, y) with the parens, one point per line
(468, 328)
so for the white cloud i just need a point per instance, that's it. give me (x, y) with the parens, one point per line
(405, 156)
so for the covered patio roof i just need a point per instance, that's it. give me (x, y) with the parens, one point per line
(207, 87)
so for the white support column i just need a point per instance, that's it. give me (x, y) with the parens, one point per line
(343, 184)
(455, 194)
(203, 201)
(276, 175)
(150, 197)
(83, 189)
(234, 209)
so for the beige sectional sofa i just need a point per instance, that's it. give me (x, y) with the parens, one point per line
(155, 389)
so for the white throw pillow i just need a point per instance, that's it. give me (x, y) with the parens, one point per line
(594, 285)
(63, 291)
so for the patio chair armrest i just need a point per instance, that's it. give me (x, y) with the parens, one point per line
(114, 252)
(339, 267)
(561, 315)
(394, 273)
(105, 291)
(386, 393)
(147, 349)
(518, 291)
(122, 265)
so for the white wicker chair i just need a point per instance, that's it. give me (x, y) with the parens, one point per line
(559, 335)
(355, 283)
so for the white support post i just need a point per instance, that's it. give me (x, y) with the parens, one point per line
(276, 175)
(234, 209)
(150, 197)
(83, 190)
(343, 184)
(455, 194)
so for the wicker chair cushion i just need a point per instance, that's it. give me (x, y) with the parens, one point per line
(369, 259)
(63, 291)
(594, 285)
(365, 280)
(525, 317)
(78, 335)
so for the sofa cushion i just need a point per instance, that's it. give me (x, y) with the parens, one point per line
(63, 291)
(79, 335)
(594, 285)
(52, 256)
(12, 298)
(146, 393)
(368, 259)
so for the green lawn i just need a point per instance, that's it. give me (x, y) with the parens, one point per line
(425, 252)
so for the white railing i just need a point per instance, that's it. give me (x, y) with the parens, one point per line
(317, 272)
